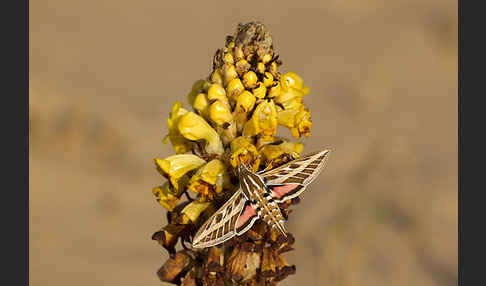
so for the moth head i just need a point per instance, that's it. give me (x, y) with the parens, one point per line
(242, 168)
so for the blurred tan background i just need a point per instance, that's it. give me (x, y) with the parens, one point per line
(383, 78)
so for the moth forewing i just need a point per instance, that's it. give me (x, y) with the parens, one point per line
(290, 180)
(221, 225)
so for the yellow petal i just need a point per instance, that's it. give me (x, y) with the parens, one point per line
(196, 88)
(263, 120)
(209, 179)
(242, 151)
(194, 127)
(166, 196)
(291, 80)
(176, 166)
(193, 210)
(180, 144)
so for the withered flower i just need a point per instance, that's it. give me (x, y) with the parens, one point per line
(233, 120)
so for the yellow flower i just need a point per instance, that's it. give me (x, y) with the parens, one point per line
(243, 152)
(291, 80)
(264, 120)
(298, 120)
(209, 179)
(193, 210)
(281, 153)
(166, 196)
(194, 127)
(180, 144)
(176, 166)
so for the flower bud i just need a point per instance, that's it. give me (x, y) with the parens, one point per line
(260, 91)
(267, 79)
(196, 88)
(220, 113)
(260, 68)
(250, 79)
(217, 77)
(229, 73)
(201, 104)
(234, 88)
(242, 66)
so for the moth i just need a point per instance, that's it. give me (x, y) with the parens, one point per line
(258, 197)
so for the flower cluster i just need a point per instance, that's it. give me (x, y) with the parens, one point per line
(233, 119)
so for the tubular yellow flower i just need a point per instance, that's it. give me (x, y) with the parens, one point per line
(166, 196)
(194, 127)
(281, 153)
(264, 120)
(220, 113)
(193, 210)
(250, 79)
(260, 91)
(291, 80)
(290, 98)
(298, 120)
(176, 166)
(243, 152)
(180, 144)
(209, 179)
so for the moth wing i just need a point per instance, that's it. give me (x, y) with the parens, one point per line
(246, 219)
(221, 225)
(290, 180)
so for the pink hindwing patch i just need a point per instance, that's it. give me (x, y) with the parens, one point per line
(245, 215)
(280, 191)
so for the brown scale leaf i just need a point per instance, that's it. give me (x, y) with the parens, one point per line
(174, 268)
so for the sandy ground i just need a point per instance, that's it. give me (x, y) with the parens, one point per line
(383, 78)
